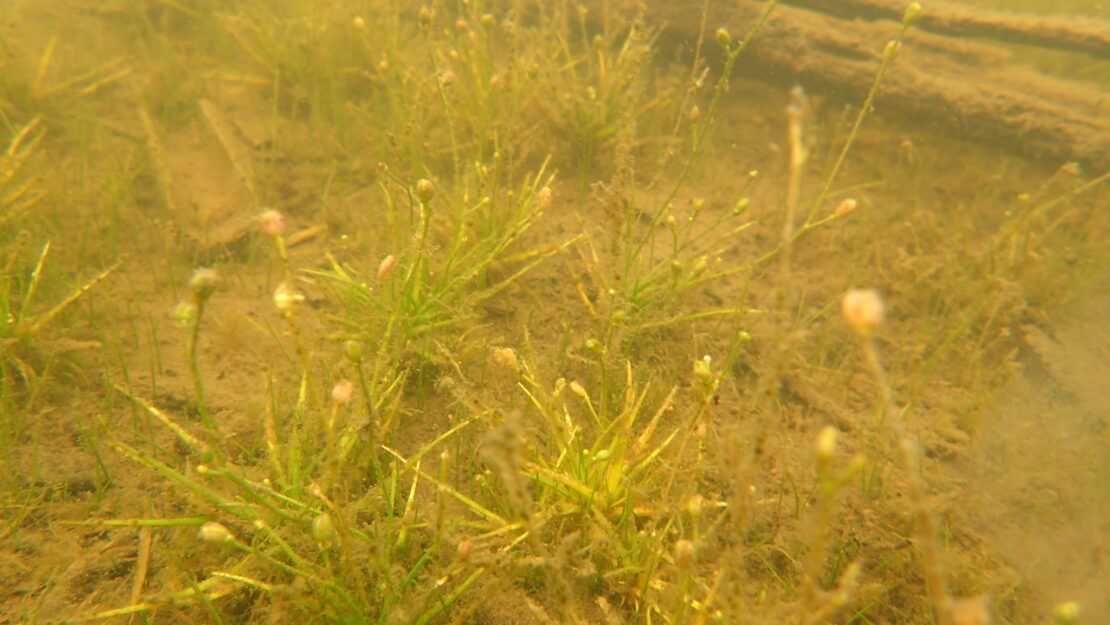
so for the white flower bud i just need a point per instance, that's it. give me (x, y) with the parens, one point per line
(213, 532)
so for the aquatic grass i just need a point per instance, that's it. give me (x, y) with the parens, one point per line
(658, 254)
(599, 84)
(447, 476)
(17, 194)
(306, 532)
(455, 258)
(23, 344)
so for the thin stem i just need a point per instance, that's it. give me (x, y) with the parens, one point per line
(194, 367)
(926, 526)
(889, 54)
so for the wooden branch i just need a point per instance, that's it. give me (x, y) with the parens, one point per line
(1077, 34)
(970, 89)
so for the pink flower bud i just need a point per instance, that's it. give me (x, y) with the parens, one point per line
(343, 391)
(863, 310)
(272, 222)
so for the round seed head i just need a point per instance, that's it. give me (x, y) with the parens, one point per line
(685, 554)
(353, 351)
(863, 310)
(272, 222)
(342, 392)
(323, 529)
(425, 190)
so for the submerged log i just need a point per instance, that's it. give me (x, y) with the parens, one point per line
(1077, 34)
(971, 89)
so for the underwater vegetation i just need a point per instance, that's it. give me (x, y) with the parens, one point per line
(487, 312)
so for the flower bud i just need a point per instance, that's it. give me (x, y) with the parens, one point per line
(723, 38)
(323, 529)
(272, 222)
(286, 298)
(1066, 613)
(359, 23)
(342, 392)
(213, 532)
(184, 314)
(425, 190)
(703, 370)
(863, 310)
(701, 263)
(685, 554)
(543, 198)
(826, 444)
(424, 16)
(462, 550)
(891, 50)
(846, 207)
(694, 507)
(911, 15)
(578, 390)
(353, 351)
(204, 283)
(386, 267)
